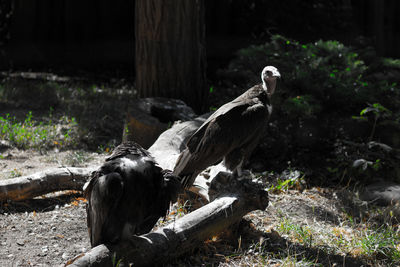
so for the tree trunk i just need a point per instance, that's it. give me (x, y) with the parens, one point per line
(170, 50)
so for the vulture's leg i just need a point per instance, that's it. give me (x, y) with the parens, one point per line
(234, 161)
(241, 174)
(237, 173)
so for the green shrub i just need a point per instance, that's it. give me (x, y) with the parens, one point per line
(326, 75)
(305, 105)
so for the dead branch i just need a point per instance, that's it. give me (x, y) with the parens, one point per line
(165, 150)
(184, 234)
(231, 200)
(37, 184)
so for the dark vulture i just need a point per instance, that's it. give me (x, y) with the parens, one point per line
(230, 133)
(127, 195)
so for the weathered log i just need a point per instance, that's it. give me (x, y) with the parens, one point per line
(170, 143)
(182, 235)
(165, 150)
(37, 184)
(148, 117)
(231, 200)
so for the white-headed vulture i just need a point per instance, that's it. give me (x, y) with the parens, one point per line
(231, 133)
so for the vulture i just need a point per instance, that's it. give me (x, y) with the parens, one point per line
(127, 195)
(230, 133)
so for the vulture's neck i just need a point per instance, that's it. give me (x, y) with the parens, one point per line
(269, 86)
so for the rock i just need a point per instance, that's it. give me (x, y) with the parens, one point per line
(4, 145)
(383, 193)
(147, 118)
(165, 109)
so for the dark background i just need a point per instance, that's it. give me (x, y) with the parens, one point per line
(99, 35)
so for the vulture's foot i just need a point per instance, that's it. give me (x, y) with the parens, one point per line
(244, 174)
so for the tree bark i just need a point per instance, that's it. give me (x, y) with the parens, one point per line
(170, 50)
(182, 235)
(41, 183)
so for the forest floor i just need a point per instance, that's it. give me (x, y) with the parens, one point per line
(45, 231)
(302, 226)
(310, 227)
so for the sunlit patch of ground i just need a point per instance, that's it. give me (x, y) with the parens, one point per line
(300, 227)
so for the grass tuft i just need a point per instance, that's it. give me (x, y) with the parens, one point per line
(33, 134)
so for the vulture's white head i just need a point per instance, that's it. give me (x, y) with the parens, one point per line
(268, 77)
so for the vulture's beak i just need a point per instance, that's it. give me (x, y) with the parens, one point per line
(276, 74)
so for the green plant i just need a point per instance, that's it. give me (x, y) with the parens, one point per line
(106, 148)
(33, 134)
(291, 180)
(15, 173)
(292, 261)
(184, 208)
(302, 234)
(381, 242)
(305, 105)
(377, 111)
(115, 262)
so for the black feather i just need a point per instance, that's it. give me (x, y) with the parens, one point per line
(127, 195)
(229, 134)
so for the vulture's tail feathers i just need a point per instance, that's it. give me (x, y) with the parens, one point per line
(104, 195)
(188, 180)
(182, 162)
(184, 170)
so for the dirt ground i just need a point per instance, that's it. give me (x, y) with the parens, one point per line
(49, 231)
(43, 231)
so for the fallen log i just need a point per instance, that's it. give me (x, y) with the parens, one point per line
(165, 150)
(231, 200)
(170, 143)
(37, 184)
(182, 235)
